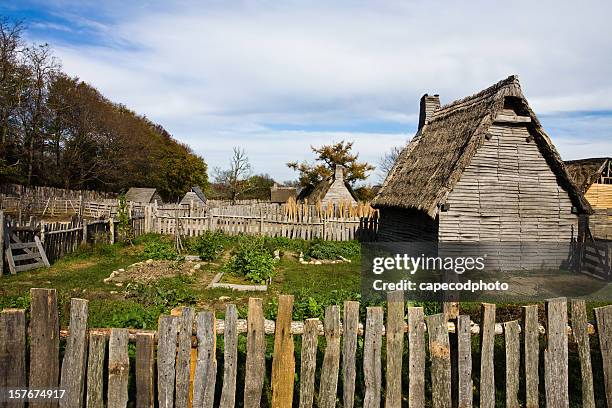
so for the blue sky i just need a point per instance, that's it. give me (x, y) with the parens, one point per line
(276, 77)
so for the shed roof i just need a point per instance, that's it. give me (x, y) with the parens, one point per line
(198, 191)
(585, 172)
(432, 163)
(140, 194)
(280, 194)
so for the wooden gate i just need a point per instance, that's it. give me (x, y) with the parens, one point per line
(23, 256)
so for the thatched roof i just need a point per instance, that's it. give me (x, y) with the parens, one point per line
(142, 195)
(280, 194)
(432, 163)
(585, 172)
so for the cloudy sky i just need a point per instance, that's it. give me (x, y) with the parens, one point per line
(276, 77)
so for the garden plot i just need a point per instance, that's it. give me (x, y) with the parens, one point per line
(153, 270)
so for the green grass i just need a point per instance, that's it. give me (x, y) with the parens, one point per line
(81, 275)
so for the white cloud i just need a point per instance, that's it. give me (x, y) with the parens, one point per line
(215, 73)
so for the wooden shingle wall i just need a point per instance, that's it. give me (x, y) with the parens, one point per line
(508, 193)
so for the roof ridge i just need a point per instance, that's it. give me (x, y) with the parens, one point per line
(449, 107)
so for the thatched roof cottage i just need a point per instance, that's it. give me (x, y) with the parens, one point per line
(143, 195)
(593, 177)
(334, 189)
(479, 169)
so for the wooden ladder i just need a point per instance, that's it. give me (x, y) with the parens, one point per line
(24, 256)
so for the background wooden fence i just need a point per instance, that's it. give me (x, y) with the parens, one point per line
(177, 365)
(62, 238)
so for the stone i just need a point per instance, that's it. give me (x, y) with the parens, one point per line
(197, 266)
(119, 284)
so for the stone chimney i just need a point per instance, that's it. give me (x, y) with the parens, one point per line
(428, 105)
(339, 172)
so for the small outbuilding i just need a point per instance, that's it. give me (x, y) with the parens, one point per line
(480, 169)
(143, 195)
(195, 195)
(334, 189)
(593, 177)
(280, 194)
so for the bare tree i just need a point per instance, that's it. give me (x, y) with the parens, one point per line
(387, 161)
(236, 179)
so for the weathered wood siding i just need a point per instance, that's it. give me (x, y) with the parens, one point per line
(338, 193)
(406, 225)
(508, 193)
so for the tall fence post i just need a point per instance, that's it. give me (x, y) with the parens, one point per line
(1, 242)
(44, 342)
(75, 356)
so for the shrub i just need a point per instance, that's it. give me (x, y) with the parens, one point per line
(320, 249)
(159, 250)
(210, 245)
(252, 260)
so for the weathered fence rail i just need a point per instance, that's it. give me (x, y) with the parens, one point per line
(188, 372)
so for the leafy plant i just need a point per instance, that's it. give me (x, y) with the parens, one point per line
(253, 261)
(320, 249)
(124, 227)
(159, 250)
(210, 245)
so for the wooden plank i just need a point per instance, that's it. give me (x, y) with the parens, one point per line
(283, 362)
(487, 364)
(28, 267)
(603, 317)
(12, 353)
(531, 352)
(230, 358)
(145, 370)
(328, 387)
(416, 350)
(22, 245)
(206, 366)
(95, 370)
(464, 362)
(439, 352)
(371, 357)
(41, 251)
(308, 362)
(166, 359)
(256, 355)
(395, 348)
(44, 343)
(349, 349)
(118, 369)
(513, 356)
(75, 356)
(581, 336)
(183, 356)
(556, 354)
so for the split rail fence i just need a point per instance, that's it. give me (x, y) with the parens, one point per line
(177, 365)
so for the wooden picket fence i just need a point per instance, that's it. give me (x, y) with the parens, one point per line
(176, 366)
